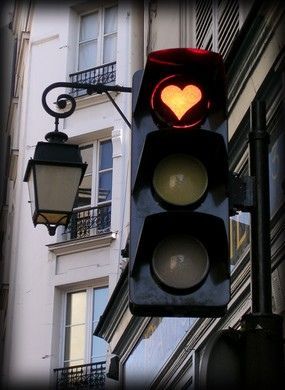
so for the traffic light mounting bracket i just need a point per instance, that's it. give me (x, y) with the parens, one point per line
(241, 193)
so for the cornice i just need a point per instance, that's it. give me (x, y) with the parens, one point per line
(80, 245)
(130, 336)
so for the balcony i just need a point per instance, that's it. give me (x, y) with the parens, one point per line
(88, 222)
(86, 376)
(104, 74)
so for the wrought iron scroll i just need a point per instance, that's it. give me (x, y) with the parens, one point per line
(62, 100)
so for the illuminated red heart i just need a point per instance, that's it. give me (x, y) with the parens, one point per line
(180, 100)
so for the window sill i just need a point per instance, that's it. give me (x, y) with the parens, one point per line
(82, 244)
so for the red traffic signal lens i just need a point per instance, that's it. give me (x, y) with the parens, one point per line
(179, 102)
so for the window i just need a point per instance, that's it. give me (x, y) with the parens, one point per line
(155, 346)
(96, 186)
(105, 172)
(218, 23)
(82, 312)
(92, 214)
(94, 55)
(84, 193)
(97, 38)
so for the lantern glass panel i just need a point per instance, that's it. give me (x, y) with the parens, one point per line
(31, 186)
(51, 218)
(57, 187)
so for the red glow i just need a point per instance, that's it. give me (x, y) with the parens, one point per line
(199, 51)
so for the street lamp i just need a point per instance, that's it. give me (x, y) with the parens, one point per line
(55, 173)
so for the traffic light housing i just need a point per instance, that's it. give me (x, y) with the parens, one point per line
(179, 264)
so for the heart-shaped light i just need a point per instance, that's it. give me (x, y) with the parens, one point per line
(181, 100)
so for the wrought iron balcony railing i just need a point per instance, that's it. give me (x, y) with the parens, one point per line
(104, 74)
(85, 376)
(89, 222)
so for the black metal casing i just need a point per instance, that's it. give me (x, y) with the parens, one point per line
(152, 219)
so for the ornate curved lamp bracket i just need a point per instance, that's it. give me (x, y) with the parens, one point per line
(63, 99)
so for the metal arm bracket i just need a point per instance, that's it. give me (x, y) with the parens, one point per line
(90, 89)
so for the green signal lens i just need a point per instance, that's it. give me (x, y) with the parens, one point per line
(180, 179)
(180, 261)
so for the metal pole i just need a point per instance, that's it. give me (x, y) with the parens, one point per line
(262, 330)
(260, 215)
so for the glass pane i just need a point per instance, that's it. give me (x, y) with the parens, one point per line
(89, 26)
(110, 47)
(106, 152)
(99, 347)
(145, 360)
(110, 20)
(31, 186)
(105, 186)
(100, 298)
(87, 55)
(87, 156)
(76, 308)
(74, 342)
(84, 193)
(57, 186)
(53, 218)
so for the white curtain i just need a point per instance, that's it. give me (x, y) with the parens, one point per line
(88, 41)
(98, 44)
(110, 35)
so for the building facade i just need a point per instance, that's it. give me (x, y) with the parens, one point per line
(162, 353)
(58, 290)
(58, 286)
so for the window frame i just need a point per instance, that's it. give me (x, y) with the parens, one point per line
(88, 334)
(101, 35)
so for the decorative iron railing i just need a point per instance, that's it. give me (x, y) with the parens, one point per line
(85, 376)
(89, 222)
(104, 74)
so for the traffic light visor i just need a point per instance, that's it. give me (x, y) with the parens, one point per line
(182, 88)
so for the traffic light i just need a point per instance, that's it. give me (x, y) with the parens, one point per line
(179, 263)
